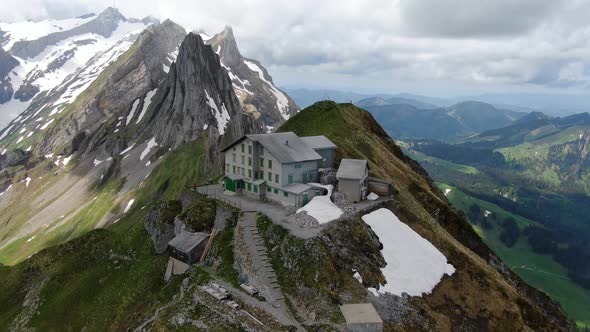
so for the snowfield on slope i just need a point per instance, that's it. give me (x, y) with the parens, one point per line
(413, 265)
(321, 208)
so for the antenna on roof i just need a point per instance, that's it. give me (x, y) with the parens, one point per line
(326, 97)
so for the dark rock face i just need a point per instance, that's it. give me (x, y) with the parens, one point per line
(15, 157)
(103, 25)
(7, 63)
(160, 224)
(196, 94)
(135, 75)
(256, 94)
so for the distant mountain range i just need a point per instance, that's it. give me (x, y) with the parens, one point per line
(549, 103)
(405, 118)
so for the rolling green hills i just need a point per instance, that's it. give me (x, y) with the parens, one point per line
(535, 170)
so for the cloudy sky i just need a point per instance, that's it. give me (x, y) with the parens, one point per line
(436, 47)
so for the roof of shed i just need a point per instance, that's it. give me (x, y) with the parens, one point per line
(318, 142)
(187, 241)
(352, 169)
(360, 313)
(296, 188)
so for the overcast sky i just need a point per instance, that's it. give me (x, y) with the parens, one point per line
(437, 47)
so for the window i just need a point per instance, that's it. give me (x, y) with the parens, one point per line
(243, 172)
(286, 194)
(269, 176)
(275, 190)
(298, 165)
(234, 170)
(249, 161)
(249, 187)
(261, 162)
(290, 178)
(255, 188)
(269, 163)
(234, 157)
(255, 175)
(276, 178)
(304, 175)
(243, 160)
(250, 149)
(262, 151)
(268, 189)
(242, 148)
(250, 173)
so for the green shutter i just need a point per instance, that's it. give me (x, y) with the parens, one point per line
(269, 176)
(250, 149)
(255, 188)
(242, 148)
(275, 190)
(230, 185)
(276, 178)
(249, 161)
(290, 178)
(269, 163)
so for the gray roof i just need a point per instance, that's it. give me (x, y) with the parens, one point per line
(286, 147)
(352, 169)
(187, 241)
(234, 177)
(296, 188)
(360, 313)
(318, 142)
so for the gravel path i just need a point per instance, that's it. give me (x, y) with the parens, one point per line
(279, 214)
(264, 272)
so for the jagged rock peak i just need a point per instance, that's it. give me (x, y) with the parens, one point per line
(224, 43)
(112, 14)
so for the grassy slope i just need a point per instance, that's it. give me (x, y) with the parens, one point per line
(421, 157)
(538, 270)
(357, 135)
(113, 277)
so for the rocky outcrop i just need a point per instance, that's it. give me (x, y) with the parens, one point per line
(130, 78)
(7, 63)
(13, 158)
(197, 99)
(252, 83)
(160, 224)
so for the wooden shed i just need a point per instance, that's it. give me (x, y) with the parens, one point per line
(188, 247)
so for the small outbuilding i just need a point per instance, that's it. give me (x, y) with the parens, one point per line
(188, 247)
(352, 178)
(362, 317)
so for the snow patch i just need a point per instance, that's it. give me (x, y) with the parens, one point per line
(447, 191)
(222, 116)
(27, 181)
(46, 124)
(7, 189)
(128, 149)
(282, 101)
(372, 197)
(146, 103)
(129, 204)
(413, 265)
(150, 144)
(321, 208)
(132, 113)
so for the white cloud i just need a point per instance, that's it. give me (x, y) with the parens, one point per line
(385, 45)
